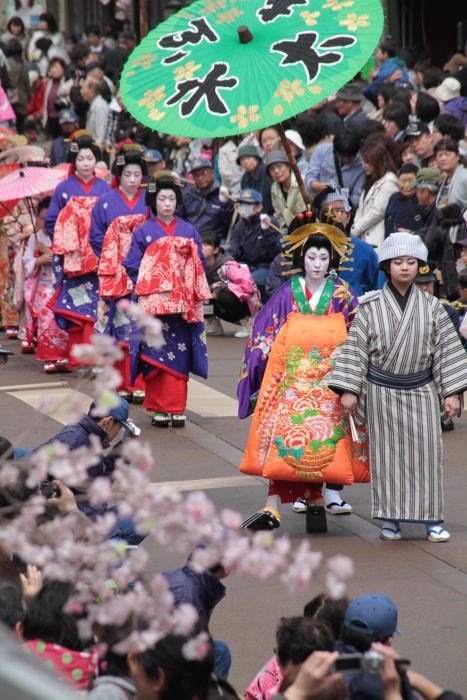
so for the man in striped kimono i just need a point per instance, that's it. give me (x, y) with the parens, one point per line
(401, 362)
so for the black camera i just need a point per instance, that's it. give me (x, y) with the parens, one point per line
(50, 490)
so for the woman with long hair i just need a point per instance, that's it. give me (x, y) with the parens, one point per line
(380, 184)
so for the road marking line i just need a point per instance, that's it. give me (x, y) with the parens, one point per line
(59, 413)
(207, 484)
(208, 402)
(40, 385)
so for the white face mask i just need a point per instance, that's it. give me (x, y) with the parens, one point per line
(246, 211)
(459, 267)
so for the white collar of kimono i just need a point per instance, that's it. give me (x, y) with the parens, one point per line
(313, 302)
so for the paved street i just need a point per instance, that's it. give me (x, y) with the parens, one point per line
(428, 581)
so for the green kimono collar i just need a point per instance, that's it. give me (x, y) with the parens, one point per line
(303, 303)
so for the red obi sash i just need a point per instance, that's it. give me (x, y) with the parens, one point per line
(113, 279)
(71, 237)
(171, 279)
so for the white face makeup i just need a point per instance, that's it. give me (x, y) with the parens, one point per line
(85, 164)
(130, 179)
(316, 263)
(166, 203)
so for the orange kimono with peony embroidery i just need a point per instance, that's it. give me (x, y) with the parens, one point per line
(299, 437)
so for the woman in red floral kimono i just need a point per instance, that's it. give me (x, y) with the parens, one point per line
(114, 218)
(68, 223)
(41, 327)
(166, 265)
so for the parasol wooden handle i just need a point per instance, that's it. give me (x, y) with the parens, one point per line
(293, 164)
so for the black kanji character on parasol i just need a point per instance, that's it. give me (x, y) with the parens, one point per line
(277, 8)
(204, 88)
(302, 50)
(201, 29)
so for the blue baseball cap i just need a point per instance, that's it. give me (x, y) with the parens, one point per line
(200, 163)
(67, 116)
(152, 155)
(120, 412)
(374, 614)
(249, 196)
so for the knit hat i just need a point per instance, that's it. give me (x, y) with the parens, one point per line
(339, 195)
(401, 244)
(248, 150)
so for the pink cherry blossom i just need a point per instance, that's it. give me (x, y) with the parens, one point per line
(197, 648)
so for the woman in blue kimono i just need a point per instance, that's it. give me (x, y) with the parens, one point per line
(75, 302)
(166, 370)
(126, 198)
(83, 155)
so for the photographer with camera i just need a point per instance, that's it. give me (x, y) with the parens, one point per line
(111, 429)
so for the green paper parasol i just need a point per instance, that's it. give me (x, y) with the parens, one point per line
(222, 67)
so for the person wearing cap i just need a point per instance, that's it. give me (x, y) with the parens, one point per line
(154, 161)
(106, 428)
(166, 253)
(440, 226)
(114, 217)
(253, 241)
(68, 121)
(368, 618)
(205, 206)
(453, 188)
(338, 163)
(349, 101)
(427, 281)
(287, 200)
(420, 138)
(449, 96)
(401, 360)
(76, 291)
(255, 176)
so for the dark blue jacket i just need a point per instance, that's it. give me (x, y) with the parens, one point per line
(402, 212)
(202, 590)
(253, 245)
(79, 435)
(260, 181)
(205, 212)
(59, 151)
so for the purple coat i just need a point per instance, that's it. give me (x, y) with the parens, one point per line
(267, 325)
(185, 346)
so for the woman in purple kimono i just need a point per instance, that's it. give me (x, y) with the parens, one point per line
(166, 370)
(68, 223)
(125, 199)
(82, 181)
(299, 438)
